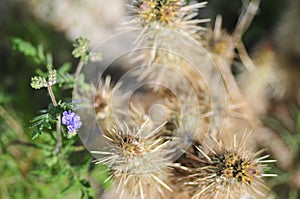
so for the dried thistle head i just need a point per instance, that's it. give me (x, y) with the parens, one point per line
(218, 41)
(151, 11)
(139, 161)
(108, 100)
(103, 97)
(173, 14)
(223, 172)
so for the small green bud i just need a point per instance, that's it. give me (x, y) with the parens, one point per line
(38, 82)
(81, 49)
(52, 77)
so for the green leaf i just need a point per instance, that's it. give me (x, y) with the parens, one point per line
(43, 121)
(37, 123)
(40, 53)
(51, 161)
(49, 61)
(91, 197)
(35, 134)
(40, 117)
(47, 125)
(65, 68)
(26, 48)
(85, 183)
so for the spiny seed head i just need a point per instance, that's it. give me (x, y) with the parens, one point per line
(132, 146)
(139, 160)
(223, 172)
(100, 103)
(233, 167)
(108, 101)
(174, 14)
(219, 42)
(103, 97)
(156, 11)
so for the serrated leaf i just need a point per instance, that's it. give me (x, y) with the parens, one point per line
(43, 111)
(35, 134)
(38, 82)
(40, 117)
(40, 53)
(40, 72)
(37, 123)
(26, 48)
(66, 67)
(47, 125)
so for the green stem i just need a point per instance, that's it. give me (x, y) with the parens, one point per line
(59, 138)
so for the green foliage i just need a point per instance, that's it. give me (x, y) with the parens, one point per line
(40, 57)
(42, 122)
(291, 137)
(55, 167)
(28, 49)
(81, 49)
(36, 53)
(47, 118)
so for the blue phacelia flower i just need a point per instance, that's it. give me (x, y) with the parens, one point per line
(71, 120)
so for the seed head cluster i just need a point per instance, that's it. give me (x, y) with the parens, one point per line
(180, 150)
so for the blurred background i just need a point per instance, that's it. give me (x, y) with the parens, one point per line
(272, 40)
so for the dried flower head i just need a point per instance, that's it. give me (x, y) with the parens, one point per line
(139, 161)
(173, 14)
(104, 102)
(224, 172)
(218, 41)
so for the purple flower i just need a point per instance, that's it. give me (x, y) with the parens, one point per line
(71, 120)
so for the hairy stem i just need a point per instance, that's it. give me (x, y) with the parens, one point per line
(76, 74)
(78, 69)
(58, 123)
(50, 91)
